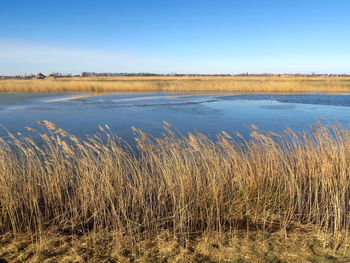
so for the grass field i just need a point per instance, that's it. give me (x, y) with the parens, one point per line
(180, 84)
(275, 198)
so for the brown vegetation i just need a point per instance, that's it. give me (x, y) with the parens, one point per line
(100, 192)
(179, 84)
(211, 247)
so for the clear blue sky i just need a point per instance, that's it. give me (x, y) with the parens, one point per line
(179, 36)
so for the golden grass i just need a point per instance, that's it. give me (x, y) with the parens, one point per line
(187, 187)
(179, 84)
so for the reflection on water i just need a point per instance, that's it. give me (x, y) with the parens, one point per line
(208, 113)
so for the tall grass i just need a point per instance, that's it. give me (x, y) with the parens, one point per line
(185, 185)
(236, 84)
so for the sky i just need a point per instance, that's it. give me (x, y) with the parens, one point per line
(178, 36)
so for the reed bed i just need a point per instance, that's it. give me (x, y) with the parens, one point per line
(179, 84)
(185, 185)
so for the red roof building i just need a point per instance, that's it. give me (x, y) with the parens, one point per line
(40, 76)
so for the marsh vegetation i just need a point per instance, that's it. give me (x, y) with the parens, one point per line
(177, 188)
(180, 84)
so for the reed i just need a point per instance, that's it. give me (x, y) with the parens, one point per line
(186, 186)
(179, 84)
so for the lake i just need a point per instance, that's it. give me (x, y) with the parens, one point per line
(208, 113)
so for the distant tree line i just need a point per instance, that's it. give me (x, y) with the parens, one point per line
(19, 76)
(33, 76)
(145, 74)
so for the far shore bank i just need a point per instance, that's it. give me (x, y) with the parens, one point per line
(178, 84)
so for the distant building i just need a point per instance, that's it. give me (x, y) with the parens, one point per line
(40, 76)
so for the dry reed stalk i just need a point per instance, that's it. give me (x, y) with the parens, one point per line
(184, 185)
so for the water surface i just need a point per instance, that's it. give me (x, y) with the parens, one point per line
(208, 113)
